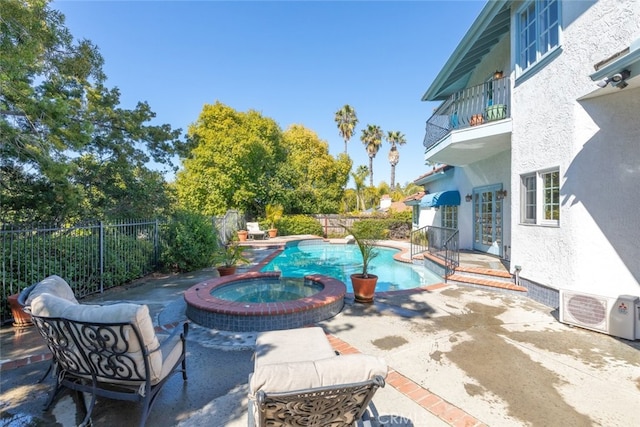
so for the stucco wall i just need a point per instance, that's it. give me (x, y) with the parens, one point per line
(595, 144)
(494, 170)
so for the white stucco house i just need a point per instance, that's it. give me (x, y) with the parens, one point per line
(539, 126)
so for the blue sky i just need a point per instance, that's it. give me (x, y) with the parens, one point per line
(296, 62)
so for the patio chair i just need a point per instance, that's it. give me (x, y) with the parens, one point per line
(109, 351)
(299, 380)
(254, 230)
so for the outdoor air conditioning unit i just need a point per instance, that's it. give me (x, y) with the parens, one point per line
(614, 316)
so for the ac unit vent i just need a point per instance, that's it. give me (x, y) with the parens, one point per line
(587, 311)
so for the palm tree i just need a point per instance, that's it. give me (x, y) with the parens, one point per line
(358, 178)
(372, 139)
(346, 120)
(394, 138)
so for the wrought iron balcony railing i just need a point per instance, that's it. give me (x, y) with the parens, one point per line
(472, 106)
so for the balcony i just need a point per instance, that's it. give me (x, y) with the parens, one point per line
(471, 124)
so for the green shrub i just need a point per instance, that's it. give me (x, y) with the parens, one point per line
(188, 242)
(371, 228)
(384, 228)
(405, 216)
(299, 224)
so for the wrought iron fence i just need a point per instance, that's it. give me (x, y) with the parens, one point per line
(91, 257)
(440, 242)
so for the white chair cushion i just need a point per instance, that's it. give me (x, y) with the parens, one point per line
(336, 370)
(47, 305)
(54, 285)
(292, 345)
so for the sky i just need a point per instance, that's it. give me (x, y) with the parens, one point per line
(296, 62)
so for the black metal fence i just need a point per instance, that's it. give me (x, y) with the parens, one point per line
(91, 257)
(440, 242)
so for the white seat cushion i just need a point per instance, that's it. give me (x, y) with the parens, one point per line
(292, 345)
(332, 371)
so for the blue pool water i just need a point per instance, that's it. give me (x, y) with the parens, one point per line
(340, 261)
(275, 290)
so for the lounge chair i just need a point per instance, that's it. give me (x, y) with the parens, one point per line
(109, 351)
(254, 230)
(299, 380)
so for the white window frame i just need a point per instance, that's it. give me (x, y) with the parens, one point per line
(449, 213)
(545, 35)
(528, 211)
(536, 192)
(415, 216)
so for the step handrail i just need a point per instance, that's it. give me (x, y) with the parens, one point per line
(441, 242)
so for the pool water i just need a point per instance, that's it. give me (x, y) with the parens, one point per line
(276, 290)
(341, 261)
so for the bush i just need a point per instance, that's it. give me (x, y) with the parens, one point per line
(371, 229)
(299, 224)
(384, 228)
(188, 242)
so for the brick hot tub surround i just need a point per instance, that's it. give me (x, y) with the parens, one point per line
(216, 313)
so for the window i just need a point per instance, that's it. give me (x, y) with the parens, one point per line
(538, 31)
(551, 203)
(543, 186)
(529, 199)
(449, 217)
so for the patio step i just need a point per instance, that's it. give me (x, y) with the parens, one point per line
(489, 282)
(484, 273)
(477, 276)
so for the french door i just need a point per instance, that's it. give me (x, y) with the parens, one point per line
(487, 220)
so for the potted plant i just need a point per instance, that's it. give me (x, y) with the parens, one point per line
(227, 258)
(20, 317)
(364, 284)
(273, 214)
(242, 235)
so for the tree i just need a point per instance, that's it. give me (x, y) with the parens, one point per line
(60, 125)
(314, 181)
(372, 139)
(358, 178)
(233, 164)
(394, 138)
(346, 120)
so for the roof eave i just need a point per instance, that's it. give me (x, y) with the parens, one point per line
(490, 10)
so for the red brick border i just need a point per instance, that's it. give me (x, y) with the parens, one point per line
(199, 296)
(431, 402)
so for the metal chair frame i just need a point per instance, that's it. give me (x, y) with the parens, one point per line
(95, 358)
(336, 406)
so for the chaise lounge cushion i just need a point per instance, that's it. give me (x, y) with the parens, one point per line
(54, 285)
(301, 375)
(47, 305)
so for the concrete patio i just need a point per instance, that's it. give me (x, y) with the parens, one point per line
(457, 356)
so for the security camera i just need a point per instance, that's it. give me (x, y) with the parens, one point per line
(617, 80)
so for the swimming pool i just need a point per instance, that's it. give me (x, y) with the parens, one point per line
(340, 261)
